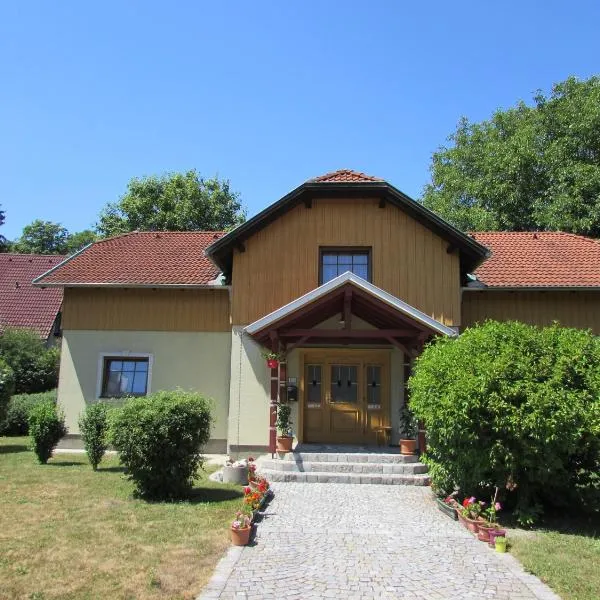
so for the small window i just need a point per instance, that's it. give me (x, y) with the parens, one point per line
(334, 262)
(124, 376)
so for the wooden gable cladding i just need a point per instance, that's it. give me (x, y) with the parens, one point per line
(579, 309)
(145, 309)
(281, 261)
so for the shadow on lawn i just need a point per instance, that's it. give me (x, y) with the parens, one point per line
(587, 525)
(201, 494)
(118, 469)
(66, 463)
(13, 448)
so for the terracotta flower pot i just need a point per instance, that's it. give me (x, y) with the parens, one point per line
(284, 443)
(484, 532)
(408, 446)
(472, 525)
(240, 537)
(461, 519)
(272, 363)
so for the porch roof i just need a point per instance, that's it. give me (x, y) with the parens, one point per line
(393, 320)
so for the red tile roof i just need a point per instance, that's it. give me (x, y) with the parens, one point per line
(344, 176)
(141, 258)
(544, 259)
(21, 304)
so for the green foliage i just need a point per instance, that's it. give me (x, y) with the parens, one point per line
(46, 237)
(159, 439)
(408, 423)
(46, 428)
(173, 202)
(3, 242)
(93, 424)
(513, 406)
(526, 168)
(284, 422)
(16, 421)
(35, 366)
(7, 386)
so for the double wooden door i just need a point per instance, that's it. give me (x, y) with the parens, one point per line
(345, 395)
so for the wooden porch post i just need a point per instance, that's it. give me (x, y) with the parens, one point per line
(274, 397)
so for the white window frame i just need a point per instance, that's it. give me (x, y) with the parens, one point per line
(122, 354)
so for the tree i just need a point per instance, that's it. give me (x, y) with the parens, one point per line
(46, 237)
(42, 237)
(173, 202)
(76, 241)
(3, 240)
(527, 168)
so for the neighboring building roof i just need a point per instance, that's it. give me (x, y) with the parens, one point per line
(347, 184)
(22, 304)
(543, 259)
(142, 259)
(344, 175)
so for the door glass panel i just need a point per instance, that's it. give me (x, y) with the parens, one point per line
(344, 383)
(374, 386)
(313, 384)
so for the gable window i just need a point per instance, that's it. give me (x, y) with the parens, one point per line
(335, 261)
(124, 376)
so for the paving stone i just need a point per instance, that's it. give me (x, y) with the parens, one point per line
(366, 541)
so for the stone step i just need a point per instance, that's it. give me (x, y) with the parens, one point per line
(349, 457)
(329, 477)
(367, 468)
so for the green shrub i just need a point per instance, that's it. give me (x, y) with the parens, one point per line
(7, 386)
(16, 421)
(46, 428)
(513, 406)
(35, 366)
(93, 424)
(159, 439)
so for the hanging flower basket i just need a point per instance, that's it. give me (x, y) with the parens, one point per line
(272, 363)
(272, 358)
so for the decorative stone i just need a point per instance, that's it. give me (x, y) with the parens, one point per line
(237, 475)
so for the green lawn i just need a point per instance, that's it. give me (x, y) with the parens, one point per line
(565, 555)
(67, 532)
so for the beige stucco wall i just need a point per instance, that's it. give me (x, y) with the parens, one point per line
(249, 394)
(192, 361)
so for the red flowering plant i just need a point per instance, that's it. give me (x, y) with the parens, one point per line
(490, 513)
(472, 508)
(252, 498)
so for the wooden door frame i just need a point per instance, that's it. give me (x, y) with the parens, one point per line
(366, 355)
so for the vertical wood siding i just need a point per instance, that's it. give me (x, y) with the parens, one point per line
(146, 309)
(281, 262)
(572, 309)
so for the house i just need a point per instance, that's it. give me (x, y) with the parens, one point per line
(23, 305)
(346, 276)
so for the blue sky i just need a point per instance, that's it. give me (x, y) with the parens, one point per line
(266, 94)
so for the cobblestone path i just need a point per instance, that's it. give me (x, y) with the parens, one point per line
(365, 541)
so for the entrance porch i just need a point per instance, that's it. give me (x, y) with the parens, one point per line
(344, 335)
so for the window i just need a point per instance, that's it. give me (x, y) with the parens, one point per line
(124, 376)
(334, 262)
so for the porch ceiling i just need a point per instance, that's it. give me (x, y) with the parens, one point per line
(394, 321)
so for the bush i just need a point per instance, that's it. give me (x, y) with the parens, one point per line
(93, 424)
(159, 438)
(513, 406)
(35, 366)
(7, 386)
(46, 428)
(16, 421)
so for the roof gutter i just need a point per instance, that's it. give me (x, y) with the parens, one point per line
(540, 288)
(184, 286)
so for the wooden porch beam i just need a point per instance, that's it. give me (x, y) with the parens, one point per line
(348, 308)
(302, 340)
(343, 333)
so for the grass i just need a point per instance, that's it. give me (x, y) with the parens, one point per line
(565, 555)
(67, 532)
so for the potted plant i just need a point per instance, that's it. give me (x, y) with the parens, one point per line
(470, 512)
(408, 431)
(272, 359)
(448, 505)
(240, 529)
(488, 526)
(285, 438)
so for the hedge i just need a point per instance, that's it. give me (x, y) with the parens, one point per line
(7, 386)
(16, 421)
(513, 406)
